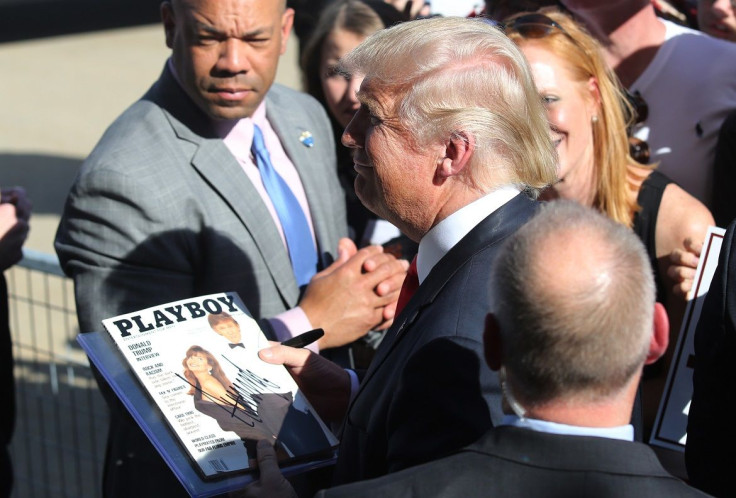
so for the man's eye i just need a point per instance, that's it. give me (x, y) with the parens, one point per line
(206, 39)
(331, 71)
(258, 41)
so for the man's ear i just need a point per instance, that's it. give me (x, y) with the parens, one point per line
(457, 153)
(492, 342)
(660, 334)
(287, 21)
(169, 22)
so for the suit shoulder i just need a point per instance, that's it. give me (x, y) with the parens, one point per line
(284, 96)
(141, 136)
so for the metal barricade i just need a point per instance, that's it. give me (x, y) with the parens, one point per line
(59, 442)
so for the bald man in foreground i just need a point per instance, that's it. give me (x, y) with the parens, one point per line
(573, 323)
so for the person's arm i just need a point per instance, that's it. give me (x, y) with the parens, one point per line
(326, 385)
(113, 241)
(682, 223)
(15, 211)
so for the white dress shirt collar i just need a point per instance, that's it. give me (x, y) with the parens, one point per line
(623, 432)
(448, 232)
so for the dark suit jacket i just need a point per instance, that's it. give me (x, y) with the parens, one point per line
(161, 211)
(711, 431)
(514, 462)
(428, 391)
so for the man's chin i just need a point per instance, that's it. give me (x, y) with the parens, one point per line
(365, 194)
(226, 113)
(230, 110)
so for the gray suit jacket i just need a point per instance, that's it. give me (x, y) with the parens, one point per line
(162, 211)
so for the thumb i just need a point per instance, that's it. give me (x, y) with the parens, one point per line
(346, 249)
(267, 461)
(284, 355)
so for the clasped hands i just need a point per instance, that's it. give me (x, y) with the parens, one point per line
(355, 294)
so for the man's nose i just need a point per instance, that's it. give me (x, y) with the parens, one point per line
(233, 58)
(352, 137)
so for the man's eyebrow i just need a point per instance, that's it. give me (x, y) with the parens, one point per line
(366, 100)
(207, 28)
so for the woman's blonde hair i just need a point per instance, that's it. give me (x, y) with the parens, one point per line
(615, 178)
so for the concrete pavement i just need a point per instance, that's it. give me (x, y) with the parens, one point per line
(59, 94)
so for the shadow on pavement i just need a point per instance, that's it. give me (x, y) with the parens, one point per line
(47, 179)
(29, 19)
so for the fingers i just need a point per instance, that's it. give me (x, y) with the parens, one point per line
(346, 249)
(684, 258)
(270, 482)
(267, 461)
(683, 277)
(285, 355)
(12, 228)
(392, 284)
(385, 272)
(695, 247)
(389, 312)
(349, 258)
(16, 196)
(682, 269)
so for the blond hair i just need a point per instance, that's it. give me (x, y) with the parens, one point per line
(616, 174)
(452, 76)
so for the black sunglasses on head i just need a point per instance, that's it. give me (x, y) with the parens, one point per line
(531, 26)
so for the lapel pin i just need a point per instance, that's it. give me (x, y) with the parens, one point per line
(306, 139)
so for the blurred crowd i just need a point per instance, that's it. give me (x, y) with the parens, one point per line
(496, 219)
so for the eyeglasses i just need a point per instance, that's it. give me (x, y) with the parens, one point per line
(533, 26)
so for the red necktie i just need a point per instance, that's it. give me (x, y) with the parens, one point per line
(409, 287)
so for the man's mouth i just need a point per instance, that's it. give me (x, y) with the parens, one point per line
(230, 93)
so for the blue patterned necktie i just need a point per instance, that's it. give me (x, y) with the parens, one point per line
(299, 241)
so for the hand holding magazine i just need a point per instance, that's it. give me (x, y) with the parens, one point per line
(198, 362)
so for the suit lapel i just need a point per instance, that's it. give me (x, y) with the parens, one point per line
(212, 159)
(494, 229)
(218, 166)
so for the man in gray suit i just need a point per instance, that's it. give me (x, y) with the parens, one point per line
(573, 322)
(174, 202)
